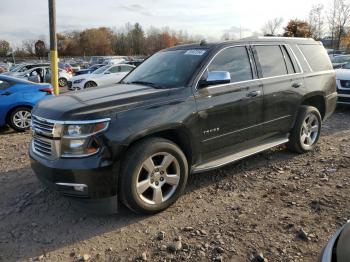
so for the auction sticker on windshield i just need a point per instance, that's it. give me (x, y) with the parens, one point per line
(195, 52)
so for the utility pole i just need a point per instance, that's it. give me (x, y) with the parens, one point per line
(53, 46)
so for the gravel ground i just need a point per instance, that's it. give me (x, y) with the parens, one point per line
(275, 206)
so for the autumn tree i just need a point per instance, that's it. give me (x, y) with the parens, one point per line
(297, 28)
(316, 21)
(4, 47)
(338, 20)
(96, 41)
(272, 26)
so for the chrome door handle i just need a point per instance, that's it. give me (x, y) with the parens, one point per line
(254, 94)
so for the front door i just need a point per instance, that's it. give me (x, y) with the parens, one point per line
(230, 114)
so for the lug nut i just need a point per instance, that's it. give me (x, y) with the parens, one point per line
(162, 179)
(157, 183)
(152, 181)
(157, 170)
(162, 172)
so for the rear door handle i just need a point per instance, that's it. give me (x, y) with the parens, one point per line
(254, 94)
(297, 85)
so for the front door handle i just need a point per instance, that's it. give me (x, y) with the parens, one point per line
(6, 94)
(297, 85)
(254, 94)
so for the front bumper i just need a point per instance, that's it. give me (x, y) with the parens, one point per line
(84, 180)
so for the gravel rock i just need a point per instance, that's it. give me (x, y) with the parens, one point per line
(161, 235)
(144, 256)
(86, 257)
(303, 235)
(176, 246)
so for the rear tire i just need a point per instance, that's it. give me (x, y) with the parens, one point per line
(20, 118)
(153, 175)
(306, 131)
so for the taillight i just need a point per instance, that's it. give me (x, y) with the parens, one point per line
(49, 91)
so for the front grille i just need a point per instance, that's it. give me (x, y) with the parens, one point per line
(42, 147)
(41, 126)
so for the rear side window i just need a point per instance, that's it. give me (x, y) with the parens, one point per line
(234, 60)
(316, 56)
(271, 60)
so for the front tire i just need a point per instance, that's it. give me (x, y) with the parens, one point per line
(90, 84)
(62, 82)
(20, 119)
(306, 131)
(153, 175)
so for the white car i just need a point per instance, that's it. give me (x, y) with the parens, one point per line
(343, 84)
(106, 75)
(43, 75)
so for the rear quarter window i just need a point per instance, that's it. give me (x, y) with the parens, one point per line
(317, 57)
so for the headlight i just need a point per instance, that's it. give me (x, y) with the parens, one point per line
(84, 130)
(79, 140)
(345, 83)
(78, 81)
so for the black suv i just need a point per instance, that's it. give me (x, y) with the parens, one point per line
(184, 110)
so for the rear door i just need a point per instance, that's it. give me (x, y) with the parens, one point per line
(230, 114)
(282, 79)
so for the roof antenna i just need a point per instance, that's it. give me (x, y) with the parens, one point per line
(203, 42)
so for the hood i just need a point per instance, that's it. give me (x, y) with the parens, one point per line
(98, 102)
(343, 74)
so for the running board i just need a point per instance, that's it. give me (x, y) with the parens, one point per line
(238, 156)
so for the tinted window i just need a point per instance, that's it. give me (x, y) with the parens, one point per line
(4, 84)
(316, 56)
(168, 68)
(126, 68)
(271, 60)
(288, 60)
(234, 60)
(115, 69)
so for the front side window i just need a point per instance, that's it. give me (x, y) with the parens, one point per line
(101, 70)
(168, 69)
(234, 60)
(271, 60)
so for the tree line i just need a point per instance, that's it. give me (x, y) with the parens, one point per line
(330, 22)
(131, 40)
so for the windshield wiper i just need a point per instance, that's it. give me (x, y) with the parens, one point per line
(145, 83)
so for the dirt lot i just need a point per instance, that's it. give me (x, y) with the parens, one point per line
(277, 204)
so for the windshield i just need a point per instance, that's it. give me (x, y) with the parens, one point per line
(167, 69)
(101, 70)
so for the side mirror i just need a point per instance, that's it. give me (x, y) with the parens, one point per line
(216, 78)
(107, 73)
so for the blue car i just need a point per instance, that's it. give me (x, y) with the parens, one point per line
(17, 98)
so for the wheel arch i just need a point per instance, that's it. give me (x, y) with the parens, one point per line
(9, 112)
(176, 134)
(317, 100)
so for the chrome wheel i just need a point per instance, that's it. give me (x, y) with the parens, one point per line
(158, 178)
(62, 82)
(21, 119)
(309, 130)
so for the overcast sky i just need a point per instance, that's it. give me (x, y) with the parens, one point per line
(28, 19)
